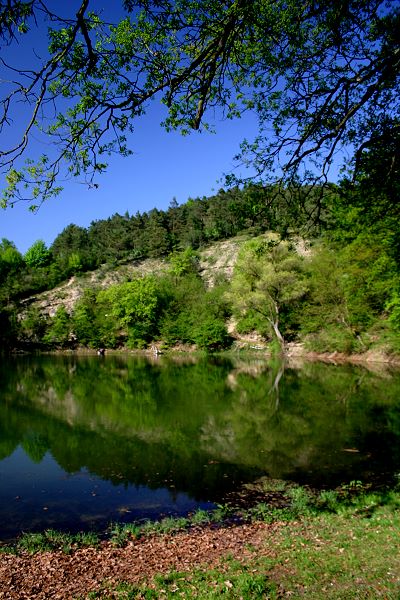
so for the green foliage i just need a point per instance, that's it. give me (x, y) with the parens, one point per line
(200, 517)
(183, 262)
(336, 66)
(211, 334)
(37, 255)
(342, 296)
(328, 500)
(59, 329)
(166, 525)
(300, 500)
(91, 324)
(369, 277)
(122, 533)
(372, 194)
(193, 314)
(332, 338)
(326, 300)
(8, 326)
(32, 326)
(52, 540)
(71, 251)
(10, 259)
(134, 307)
(351, 284)
(393, 308)
(267, 280)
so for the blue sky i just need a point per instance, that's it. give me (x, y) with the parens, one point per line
(163, 166)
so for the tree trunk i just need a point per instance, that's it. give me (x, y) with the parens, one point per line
(275, 326)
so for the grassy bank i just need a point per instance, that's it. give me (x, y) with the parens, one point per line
(329, 556)
(326, 547)
(342, 544)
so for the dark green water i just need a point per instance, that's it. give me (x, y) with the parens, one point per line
(89, 440)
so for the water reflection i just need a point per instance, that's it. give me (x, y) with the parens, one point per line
(123, 437)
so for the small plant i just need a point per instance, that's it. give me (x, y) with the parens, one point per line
(40, 542)
(150, 527)
(170, 524)
(121, 533)
(273, 485)
(300, 501)
(200, 517)
(87, 539)
(33, 542)
(223, 511)
(167, 525)
(260, 512)
(268, 514)
(4, 549)
(328, 500)
(354, 488)
(59, 541)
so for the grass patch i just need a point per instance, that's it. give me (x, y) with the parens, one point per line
(51, 540)
(200, 517)
(341, 555)
(236, 582)
(120, 534)
(166, 525)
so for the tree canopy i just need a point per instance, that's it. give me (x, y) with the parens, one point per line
(322, 77)
(267, 277)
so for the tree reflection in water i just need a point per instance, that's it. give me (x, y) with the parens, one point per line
(200, 427)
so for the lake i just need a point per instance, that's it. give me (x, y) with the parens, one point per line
(88, 440)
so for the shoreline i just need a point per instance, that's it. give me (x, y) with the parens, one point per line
(303, 550)
(294, 353)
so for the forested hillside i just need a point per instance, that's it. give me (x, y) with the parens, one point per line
(322, 81)
(314, 266)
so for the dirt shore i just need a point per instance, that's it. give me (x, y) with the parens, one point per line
(55, 575)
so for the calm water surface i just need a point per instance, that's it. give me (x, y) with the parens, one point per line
(89, 440)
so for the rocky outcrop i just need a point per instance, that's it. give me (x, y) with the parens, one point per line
(217, 260)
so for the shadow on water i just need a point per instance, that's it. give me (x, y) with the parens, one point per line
(84, 440)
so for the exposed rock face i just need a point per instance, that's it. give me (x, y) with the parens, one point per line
(217, 260)
(67, 294)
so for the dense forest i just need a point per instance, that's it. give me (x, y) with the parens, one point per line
(322, 80)
(342, 295)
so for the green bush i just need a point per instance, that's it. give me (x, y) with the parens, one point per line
(333, 338)
(211, 334)
(59, 331)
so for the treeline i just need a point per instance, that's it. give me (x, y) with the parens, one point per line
(332, 299)
(174, 307)
(342, 294)
(152, 234)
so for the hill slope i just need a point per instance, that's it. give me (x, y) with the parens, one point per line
(215, 261)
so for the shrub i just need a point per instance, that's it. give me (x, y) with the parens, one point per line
(211, 334)
(333, 338)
